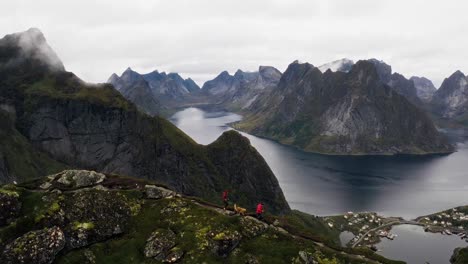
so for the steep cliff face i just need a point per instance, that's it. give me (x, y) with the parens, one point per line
(95, 127)
(397, 82)
(451, 99)
(343, 113)
(425, 88)
(234, 156)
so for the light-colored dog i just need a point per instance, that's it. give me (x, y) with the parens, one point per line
(239, 210)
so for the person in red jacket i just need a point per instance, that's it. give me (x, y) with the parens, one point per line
(225, 199)
(260, 211)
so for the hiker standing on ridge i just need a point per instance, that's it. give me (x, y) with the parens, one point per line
(259, 211)
(225, 199)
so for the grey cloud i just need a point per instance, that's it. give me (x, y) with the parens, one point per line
(201, 38)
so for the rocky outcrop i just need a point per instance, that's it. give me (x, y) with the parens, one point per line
(451, 99)
(424, 87)
(233, 155)
(344, 113)
(79, 178)
(35, 247)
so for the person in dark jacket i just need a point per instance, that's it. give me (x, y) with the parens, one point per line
(225, 199)
(260, 211)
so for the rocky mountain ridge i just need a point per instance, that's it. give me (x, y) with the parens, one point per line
(344, 113)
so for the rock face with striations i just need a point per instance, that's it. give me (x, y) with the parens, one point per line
(343, 113)
(94, 127)
(451, 99)
(397, 82)
(425, 88)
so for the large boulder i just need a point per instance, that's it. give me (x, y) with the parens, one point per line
(80, 178)
(108, 216)
(155, 192)
(159, 244)
(38, 247)
(10, 206)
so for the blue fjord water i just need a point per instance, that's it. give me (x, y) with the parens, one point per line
(407, 186)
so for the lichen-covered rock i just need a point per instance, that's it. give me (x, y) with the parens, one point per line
(80, 178)
(10, 206)
(305, 257)
(155, 192)
(223, 242)
(175, 206)
(174, 255)
(36, 247)
(252, 227)
(159, 244)
(96, 216)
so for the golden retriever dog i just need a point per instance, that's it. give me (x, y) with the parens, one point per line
(239, 210)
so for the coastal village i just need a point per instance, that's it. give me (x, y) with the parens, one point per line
(369, 228)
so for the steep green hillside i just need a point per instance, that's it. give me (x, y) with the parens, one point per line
(88, 217)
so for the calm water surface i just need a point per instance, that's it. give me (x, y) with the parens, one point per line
(407, 186)
(415, 246)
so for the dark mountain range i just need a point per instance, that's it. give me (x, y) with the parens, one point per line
(137, 90)
(450, 101)
(55, 120)
(424, 87)
(153, 92)
(344, 113)
(237, 92)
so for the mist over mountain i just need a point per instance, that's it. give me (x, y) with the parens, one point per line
(343, 65)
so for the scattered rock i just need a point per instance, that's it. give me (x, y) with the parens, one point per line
(222, 243)
(35, 247)
(252, 227)
(159, 244)
(10, 206)
(155, 192)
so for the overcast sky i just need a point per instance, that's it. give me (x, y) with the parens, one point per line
(200, 38)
